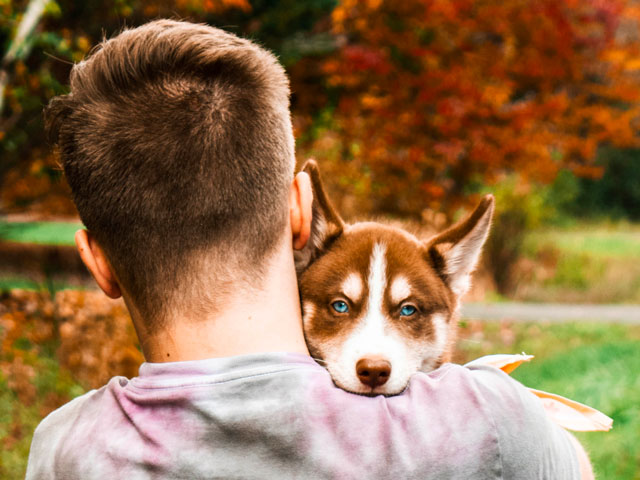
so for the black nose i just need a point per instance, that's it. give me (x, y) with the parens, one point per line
(373, 371)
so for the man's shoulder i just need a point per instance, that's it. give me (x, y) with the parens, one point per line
(68, 414)
(59, 429)
(489, 385)
(510, 403)
(476, 419)
(527, 435)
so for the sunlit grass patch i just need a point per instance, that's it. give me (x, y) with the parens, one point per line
(10, 283)
(598, 241)
(583, 264)
(46, 233)
(23, 283)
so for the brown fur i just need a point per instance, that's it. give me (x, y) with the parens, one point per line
(428, 266)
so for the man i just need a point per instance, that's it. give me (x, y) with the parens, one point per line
(177, 143)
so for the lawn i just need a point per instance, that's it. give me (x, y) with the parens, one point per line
(34, 238)
(607, 241)
(48, 233)
(14, 282)
(584, 264)
(55, 349)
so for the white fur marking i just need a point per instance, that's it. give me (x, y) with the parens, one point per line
(373, 336)
(400, 289)
(432, 351)
(377, 281)
(309, 310)
(352, 287)
(441, 331)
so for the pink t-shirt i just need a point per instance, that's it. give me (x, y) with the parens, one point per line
(279, 415)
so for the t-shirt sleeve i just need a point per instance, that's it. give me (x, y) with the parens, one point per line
(531, 444)
(40, 464)
(48, 438)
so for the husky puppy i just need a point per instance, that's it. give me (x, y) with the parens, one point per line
(378, 303)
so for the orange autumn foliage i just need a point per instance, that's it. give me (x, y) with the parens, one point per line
(97, 338)
(406, 105)
(93, 338)
(436, 96)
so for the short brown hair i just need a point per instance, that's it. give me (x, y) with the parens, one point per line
(176, 139)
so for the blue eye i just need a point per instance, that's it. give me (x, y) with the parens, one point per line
(340, 306)
(408, 310)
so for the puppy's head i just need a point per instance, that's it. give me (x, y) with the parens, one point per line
(378, 303)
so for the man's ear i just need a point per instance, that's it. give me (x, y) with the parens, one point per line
(96, 261)
(326, 225)
(454, 253)
(300, 209)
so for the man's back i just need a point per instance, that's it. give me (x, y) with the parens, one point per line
(280, 416)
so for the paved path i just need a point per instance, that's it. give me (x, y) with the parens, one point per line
(528, 312)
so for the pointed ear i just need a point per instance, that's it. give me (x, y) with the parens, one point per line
(326, 224)
(454, 253)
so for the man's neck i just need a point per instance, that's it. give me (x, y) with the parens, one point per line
(251, 321)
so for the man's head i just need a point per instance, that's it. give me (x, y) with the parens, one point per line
(177, 143)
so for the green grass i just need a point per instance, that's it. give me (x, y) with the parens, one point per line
(594, 241)
(596, 364)
(47, 233)
(582, 264)
(21, 283)
(9, 283)
(44, 233)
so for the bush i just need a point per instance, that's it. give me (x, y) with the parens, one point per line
(520, 208)
(617, 193)
(614, 195)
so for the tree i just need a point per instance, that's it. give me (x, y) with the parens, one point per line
(434, 97)
(422, 102)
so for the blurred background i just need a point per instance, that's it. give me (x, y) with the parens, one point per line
(413, 109)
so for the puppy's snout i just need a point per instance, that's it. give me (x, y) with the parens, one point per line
(373, 371)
